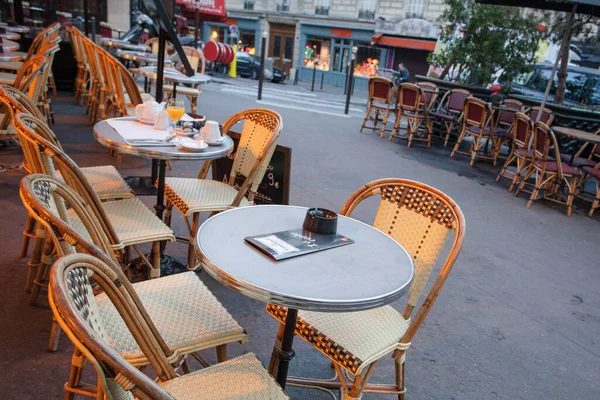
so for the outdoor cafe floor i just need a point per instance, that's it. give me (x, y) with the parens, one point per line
(519, 316)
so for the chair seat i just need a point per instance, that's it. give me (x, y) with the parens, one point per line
(107, 182)
(552, 166)
(187, 315)
(242, 378)
(198, 195)
(484, 132)
(184, 90)
(521, 152)
(6, 78)
(353, 340)
(411, 114)
(579, 161)
(134, 223)
(595, 172)
(447, 117)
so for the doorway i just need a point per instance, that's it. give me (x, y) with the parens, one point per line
(281, 46)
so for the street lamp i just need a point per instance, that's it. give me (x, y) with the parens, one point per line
(261, 73)
(350, 79)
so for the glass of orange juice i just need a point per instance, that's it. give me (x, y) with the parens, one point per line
(175, 109)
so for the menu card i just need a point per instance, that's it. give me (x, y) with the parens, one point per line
(295, 242)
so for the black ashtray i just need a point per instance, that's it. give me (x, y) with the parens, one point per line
(320, 221)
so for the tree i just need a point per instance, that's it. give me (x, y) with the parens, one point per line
(482, 41)
(580, 25)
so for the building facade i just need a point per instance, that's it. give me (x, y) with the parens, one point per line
(303, 35)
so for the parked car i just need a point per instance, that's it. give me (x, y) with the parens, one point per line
(583, 85)
(248, 66)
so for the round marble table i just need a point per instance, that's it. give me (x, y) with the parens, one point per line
(9, 45)
(140, 56)
(373, 271)
(13, 56)
(173, 75)
(577, 134)
(17, 29)
(122, 44)
(10, 35)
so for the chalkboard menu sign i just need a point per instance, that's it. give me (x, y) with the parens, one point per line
(275, 186)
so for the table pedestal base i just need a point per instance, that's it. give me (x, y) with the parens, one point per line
(141, 185)
(286, 352)
(169, 265)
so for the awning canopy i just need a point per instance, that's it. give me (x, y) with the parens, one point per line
(403, 42)
(210, 10)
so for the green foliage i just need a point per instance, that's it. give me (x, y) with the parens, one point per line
(483, 40)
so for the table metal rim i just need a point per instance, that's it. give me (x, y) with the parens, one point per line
(152, 154)
(303, 303)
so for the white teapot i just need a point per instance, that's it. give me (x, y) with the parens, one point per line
(148, 110)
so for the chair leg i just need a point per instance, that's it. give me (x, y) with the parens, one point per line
(596, 201)
(221, 353)
(155, 271)
(78, 361)
(366, 118)
(448, 130)
(54, 336)
(274, 362)
(399, 372)
(28, 233)
(534, 192)
(191, 254)
(42, 270)
(384, 122)
(571, 196)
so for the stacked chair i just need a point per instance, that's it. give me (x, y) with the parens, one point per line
(450, 111)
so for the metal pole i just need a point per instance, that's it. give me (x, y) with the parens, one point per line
(162, 37)
(197, 30)
(296, 77)
(261, 73)
(18, 5)
(322, 76)
(93, 22)
(86, 17)
(350, 80)
(312, 87)
(346, 83)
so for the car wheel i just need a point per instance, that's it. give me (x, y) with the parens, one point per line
(254, 74)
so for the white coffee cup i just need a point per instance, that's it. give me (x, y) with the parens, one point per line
(147, 111)
(162, 121)
(211, 132)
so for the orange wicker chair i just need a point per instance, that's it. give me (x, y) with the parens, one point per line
(450, 111)
(409, 106)
(551, 175)
(381, 93)
(186, 314)
(78, 312)
(420, 218)
(196, 60)
(476, 125)
(519, 151)
(504, 118)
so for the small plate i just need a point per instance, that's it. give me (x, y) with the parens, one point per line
(216, 142)
(193, 145)
(146, 121)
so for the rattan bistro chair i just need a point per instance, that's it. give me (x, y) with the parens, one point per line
(409, 106)
(181, 309)
(450, 111)
(551, 175)
(381, 98)
(592, 173)
(546, 118)
(260, 133)
(192, 92)
(420, 218)
(128, 222)
(77, 311)
(476, 124)
(519, 151)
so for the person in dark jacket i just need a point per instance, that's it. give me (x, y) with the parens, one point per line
(402, 75)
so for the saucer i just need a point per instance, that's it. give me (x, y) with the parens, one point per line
(145, 121)
(215, 142)
(193, 145)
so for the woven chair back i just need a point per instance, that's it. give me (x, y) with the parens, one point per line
(476, 112)
(547, 115)
(409, 97)
(541, 143)
(430, 93)
(420, 218)
(30, 75)
(456, 100)
(259, 136)
(381, 90)
(506, 116)
(153, 44)
(76, 310)
(522, 131)
(128, 83)
(195, 58)
(54, 159)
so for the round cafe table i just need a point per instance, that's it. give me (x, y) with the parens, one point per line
(371, 272)
(579, 135)
(173, 75)
(10, 35)
(9, 45)
(140, 56)
(13, 56)
(122, 44)
(17, 29)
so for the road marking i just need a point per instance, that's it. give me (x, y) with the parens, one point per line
(311, 110)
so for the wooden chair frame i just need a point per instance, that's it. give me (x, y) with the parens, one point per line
(410, 108)
(402, 191)
(519, 151)
(377, 104)
(197, 61)
(548, 184)
(481, 131)
(532, 113)
(448, 114)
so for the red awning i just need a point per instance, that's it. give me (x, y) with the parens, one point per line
(406, 43)
(210, 10)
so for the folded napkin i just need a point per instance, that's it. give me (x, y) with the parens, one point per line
(131, 130)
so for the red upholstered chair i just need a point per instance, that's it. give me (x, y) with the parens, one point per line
(409, 107)
(381, 93)
(551, 176)
(504, 118)
(476, 125)
(450, 111)
(519, 151)
(547, 115)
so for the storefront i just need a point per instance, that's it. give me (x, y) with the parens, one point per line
(328, 48)
(248, 32)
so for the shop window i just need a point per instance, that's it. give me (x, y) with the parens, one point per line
(416, 9)
(248, 4)
(322, 7)
(316, 52)
(246, 41)
(367, 9)
(283, 5)
(367, 59)
(277, 45)
(289, 47)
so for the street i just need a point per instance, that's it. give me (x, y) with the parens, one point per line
(519, 317)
